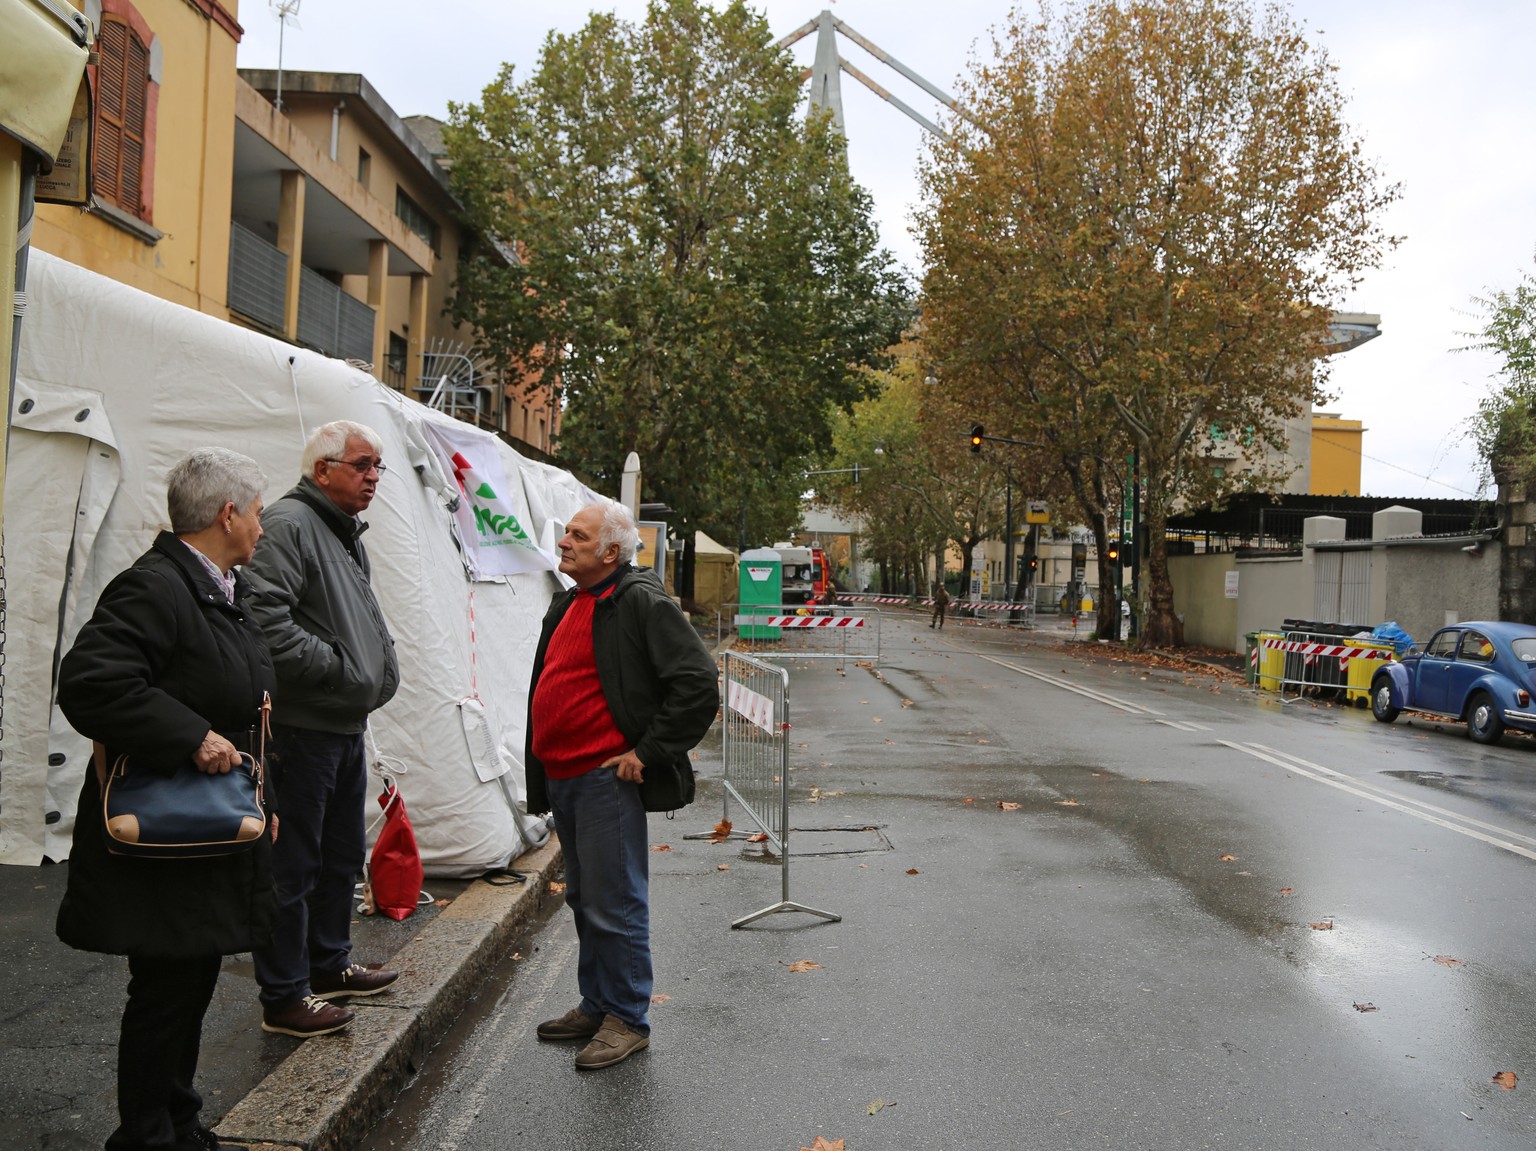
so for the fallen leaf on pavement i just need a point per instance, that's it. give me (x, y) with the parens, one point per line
(1325, 925)
(878, 1105)
(876, 719)
(1447, 961)
(557, 888)
(662, 847)
(757, 837)
(1505, 1079)
(722, 831)
(906, 703)
(1007, 805)
(661, 999)
(823, 1144)
(1286, 891)
(912, 871)
(441, 902)
(967, 799)
(1229, 859)
(1366, 1007)
(801, 965)
(722, 867)
(1068, 803)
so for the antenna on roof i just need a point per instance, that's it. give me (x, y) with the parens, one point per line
(284, 10)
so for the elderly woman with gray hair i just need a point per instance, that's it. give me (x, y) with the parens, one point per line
(171, 670)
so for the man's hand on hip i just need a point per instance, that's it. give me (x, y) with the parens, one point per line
(628, 766)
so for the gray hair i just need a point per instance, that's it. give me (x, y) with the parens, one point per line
(200, 484)
(618, 527)
(329, 441)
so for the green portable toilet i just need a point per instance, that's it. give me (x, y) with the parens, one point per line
(761, 586)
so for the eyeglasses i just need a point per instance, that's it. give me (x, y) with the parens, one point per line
(361, 467)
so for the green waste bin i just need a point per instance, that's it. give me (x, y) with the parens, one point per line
(760, 590)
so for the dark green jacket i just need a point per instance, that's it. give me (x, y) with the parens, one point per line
(658, 678)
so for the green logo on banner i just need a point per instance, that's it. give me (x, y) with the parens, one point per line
(489, 522)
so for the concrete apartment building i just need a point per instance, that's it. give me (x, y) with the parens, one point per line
(326, 223)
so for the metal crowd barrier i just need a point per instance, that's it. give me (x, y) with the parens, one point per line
(756, 752)
(783, 631)
(1315, 660)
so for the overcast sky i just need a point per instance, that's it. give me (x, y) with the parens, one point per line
(1439, 92)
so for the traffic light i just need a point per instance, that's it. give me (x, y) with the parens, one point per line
(1128, 555)
(978, 433)
(1112, 551)
(1032, 562)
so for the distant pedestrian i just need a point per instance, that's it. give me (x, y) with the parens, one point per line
(940, 602)
(335, 665)
(171, 671)
(622, 691)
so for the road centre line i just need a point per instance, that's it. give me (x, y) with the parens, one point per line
(1461, 824)
(1098, 696)
(1184, 724)
(1380, 790)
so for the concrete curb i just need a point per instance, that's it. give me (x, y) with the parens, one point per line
(327, 1094)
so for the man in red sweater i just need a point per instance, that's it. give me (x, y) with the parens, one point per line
(622, 690)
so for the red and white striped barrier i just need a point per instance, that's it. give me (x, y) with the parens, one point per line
(906, 601)
(807, 620)
(1312, 650)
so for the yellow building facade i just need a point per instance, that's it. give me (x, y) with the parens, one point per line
(326, 222)
(1337, 444)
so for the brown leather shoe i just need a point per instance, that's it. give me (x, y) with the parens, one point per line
(574, 1024)
(613, 1043)
(353, 981)
(308, 1017)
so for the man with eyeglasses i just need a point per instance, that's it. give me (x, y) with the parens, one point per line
(335, 663)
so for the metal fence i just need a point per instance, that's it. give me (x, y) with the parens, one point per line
(756, 753)
(1323, 661)
(785, 631)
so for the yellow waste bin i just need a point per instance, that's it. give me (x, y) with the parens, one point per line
(1362, 669)
(1271, 661)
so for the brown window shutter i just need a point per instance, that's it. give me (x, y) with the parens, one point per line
(135, 103)
(122, 95)
(112, 51)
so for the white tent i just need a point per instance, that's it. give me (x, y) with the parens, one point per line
(113, 387)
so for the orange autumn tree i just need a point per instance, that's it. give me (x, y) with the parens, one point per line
(1135, 237)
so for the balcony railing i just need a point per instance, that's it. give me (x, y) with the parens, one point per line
(257, 273)
(331, 321)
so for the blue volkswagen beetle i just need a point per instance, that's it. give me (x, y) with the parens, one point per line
(1480, 672)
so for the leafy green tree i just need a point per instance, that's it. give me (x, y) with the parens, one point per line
(1138, 232)
(1504, 427)
(920, 489)
(699, 279)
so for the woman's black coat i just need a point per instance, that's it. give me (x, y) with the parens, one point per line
(164, 659)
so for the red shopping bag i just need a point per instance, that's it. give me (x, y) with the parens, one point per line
(394, 870)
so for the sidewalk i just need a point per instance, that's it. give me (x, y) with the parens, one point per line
(59, 1019)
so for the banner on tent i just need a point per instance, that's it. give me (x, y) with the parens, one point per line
(496, 542)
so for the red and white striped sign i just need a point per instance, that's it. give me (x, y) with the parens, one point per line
(753, 706)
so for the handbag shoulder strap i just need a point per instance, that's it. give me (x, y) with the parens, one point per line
(99, 761)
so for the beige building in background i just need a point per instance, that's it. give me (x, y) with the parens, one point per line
(327, 223)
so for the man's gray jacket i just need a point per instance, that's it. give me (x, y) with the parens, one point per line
(334, 656)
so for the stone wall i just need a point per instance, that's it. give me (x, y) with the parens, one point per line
(1517, 560)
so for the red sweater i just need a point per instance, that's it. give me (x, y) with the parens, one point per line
(572, 729)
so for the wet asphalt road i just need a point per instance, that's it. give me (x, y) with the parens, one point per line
(1127, 959)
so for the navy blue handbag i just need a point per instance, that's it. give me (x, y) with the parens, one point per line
(189, 814)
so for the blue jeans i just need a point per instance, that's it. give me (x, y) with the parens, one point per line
(321, 783)
(602, 828)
